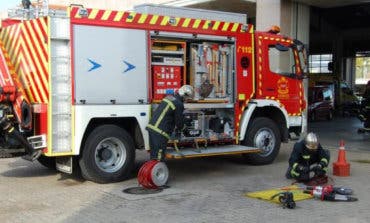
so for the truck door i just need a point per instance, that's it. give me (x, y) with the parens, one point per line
(279, 74)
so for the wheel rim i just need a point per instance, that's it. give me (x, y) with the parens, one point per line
(265, 140)
(159, 174)
(110, 154)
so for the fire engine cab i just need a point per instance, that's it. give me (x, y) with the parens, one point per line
(79, 87)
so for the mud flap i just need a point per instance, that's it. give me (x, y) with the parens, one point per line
(64, 164)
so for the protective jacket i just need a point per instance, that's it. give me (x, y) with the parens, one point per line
(301, 156)
(168, 115)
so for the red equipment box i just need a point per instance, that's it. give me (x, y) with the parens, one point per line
(166, 80)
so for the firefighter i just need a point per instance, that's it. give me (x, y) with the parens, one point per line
(364, 115)
(367, 91)
(308, 159)
(165, 118)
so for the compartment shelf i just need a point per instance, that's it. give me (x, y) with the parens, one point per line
(168, 52)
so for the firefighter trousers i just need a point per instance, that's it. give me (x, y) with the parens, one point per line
(158, 145)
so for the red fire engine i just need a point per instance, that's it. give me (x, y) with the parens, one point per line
(81, 85)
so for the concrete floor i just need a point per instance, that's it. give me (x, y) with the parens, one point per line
(331, 132)
(201, 190)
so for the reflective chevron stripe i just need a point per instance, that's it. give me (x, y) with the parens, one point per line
(119, 18)
(27, 46)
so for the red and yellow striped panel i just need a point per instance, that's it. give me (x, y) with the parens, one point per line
(5, 68)
(27, 46)
(147, 21)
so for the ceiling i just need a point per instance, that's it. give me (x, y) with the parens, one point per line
(249, 6)
(347, 24)
(331, 21)
(332, 3)
(345, 17)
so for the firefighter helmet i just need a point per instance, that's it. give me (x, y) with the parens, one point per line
(311, 141)
(186, 92)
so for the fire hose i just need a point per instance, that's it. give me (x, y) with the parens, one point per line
(153, 174)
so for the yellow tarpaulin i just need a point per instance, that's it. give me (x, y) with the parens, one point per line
(298, 194)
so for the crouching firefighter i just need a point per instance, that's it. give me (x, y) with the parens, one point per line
(308, 161)
(166, 117)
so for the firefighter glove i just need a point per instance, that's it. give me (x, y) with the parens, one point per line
(320, 172)
(302, 169)
(178, 133)
(317, 168)
(320, 169)
(323, 164)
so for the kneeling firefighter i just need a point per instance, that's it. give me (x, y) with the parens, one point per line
(308, 157)
(364, 114)
(167, 117)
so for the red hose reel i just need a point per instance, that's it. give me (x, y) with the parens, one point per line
(153, 174)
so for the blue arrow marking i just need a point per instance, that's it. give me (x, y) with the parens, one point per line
(95, 65)
(129, 66)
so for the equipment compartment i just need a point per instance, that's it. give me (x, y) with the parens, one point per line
(211, 67)
(209, 124)
(168, 70)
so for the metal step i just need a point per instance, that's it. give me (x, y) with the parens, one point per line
(38, 141)
(210, 151)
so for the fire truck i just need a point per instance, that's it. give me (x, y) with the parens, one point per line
(78, 86)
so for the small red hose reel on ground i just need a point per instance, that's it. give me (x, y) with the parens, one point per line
(153, 174)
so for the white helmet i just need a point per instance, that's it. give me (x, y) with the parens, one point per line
(186, 91)
(311, 141)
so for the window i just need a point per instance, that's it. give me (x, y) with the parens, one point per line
(281, 59)
(320, 63)
(362, 70)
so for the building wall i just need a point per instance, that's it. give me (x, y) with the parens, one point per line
(111, 4)
(268, 13)
(293, 18)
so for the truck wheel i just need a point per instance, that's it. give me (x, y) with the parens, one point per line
(48, 162)
(108, 155)
(263, 134)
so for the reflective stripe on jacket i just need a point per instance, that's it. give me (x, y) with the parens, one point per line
(167, 116)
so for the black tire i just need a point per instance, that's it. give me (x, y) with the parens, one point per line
(48, 162)
(264, 134)
(108, 155)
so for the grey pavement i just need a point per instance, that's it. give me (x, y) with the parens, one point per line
(331, 132)
(201, 190)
